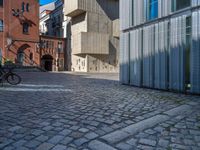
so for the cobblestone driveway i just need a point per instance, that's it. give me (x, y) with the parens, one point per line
(59, 111)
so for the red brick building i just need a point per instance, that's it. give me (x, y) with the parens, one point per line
(52, 53)
(19, 31)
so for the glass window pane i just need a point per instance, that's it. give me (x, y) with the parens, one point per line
(1, 2)
(1, 25)
(180, 4)
(27, 7)
(152, 9)
(1, 56)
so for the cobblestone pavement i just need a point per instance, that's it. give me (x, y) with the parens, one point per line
(67, 111)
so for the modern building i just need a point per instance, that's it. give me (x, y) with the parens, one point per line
(54, 24)
(160, 44)
(94, 35)
(19, 31)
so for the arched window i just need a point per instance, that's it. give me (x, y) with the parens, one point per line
(25, 28)
(1, 25)
(27, 7)
(20, 57)
(23, 6)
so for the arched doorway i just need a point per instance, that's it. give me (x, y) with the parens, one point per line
(21, 58)
(47, 62)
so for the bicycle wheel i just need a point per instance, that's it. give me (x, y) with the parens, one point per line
(13, 79)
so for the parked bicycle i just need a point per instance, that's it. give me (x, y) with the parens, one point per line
(6, 74)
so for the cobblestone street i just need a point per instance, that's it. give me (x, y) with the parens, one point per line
(68, 111)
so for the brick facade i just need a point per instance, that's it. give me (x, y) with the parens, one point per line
(24, 48)
(52, 53)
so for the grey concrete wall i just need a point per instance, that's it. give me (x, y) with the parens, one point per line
(95, 44)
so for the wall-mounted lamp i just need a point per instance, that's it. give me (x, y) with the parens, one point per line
(17, 12)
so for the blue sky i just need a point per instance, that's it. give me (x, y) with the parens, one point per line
(42, 2)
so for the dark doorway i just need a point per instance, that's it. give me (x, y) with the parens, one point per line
(47, 62)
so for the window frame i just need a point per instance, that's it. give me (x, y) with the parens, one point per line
(150, 4)
(23, 6)
(1, 25)
(25, 28)
(174, 6)
(1, 3)
(1, 55)
(27, 7)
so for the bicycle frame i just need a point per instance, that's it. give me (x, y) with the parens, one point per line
(5, 73)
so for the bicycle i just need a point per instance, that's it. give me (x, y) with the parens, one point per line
(9, 76)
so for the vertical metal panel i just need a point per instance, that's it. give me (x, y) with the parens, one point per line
(126, 15)
(124, 58)
(195, 53)
(148, 56)
(195, 2)
(136, 57)
(161, 55)
(177, 59)
(121, 17)
(139, 13)
(164, 8)
(121, 56)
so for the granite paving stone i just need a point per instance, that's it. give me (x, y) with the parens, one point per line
(88, 111)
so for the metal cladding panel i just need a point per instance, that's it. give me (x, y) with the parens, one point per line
(138, 12)
(148, 56)
(136, 57)
(195, 2)
(195, 53)
(161, 55)
(176, 56)
(124, 58)
(126, 14)
(164, 8)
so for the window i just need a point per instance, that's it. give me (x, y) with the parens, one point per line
(152, 9)
(60, 49)
(61, 63)
(1, 56)
(1, 25)
(180, 4)
(25, 28)
(20, 58)
(31, 56)
(23, 7)
(27, 7)
(47, 44)
(1, 3)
